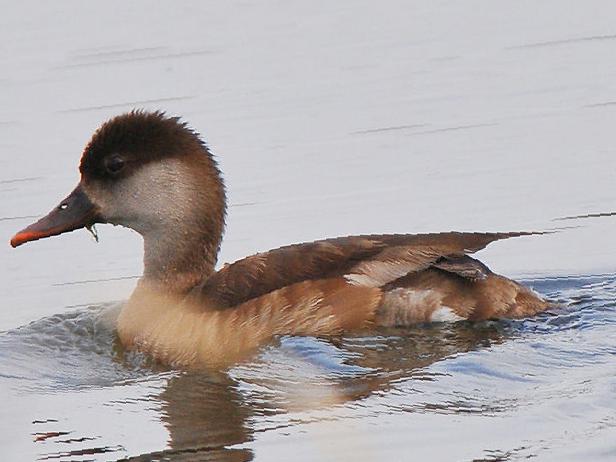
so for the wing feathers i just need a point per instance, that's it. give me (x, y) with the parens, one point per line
(391, 264)
(464, 266)
(369, 261)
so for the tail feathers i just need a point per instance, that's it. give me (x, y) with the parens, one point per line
(438, 295)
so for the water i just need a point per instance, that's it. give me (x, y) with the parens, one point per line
(328, 118)
(494, 391)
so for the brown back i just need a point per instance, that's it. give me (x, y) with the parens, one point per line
(384, 257)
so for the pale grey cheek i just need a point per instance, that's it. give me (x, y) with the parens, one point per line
(160, 192)
(132, 207)
(155, 196)
(117, 205)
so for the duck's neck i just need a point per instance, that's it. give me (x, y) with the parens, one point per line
(178, 261)
(181, 250)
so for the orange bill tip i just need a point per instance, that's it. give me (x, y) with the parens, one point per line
(74, 212)
(23, 237)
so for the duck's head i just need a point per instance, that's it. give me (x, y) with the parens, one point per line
(147, 172)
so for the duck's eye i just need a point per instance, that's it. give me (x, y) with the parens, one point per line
(114, 164)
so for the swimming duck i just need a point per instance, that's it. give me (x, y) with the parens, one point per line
(153, 174)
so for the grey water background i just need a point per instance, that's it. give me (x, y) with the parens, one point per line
(328, 118)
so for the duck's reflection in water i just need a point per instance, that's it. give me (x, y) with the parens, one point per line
(205, 416)
(211, 415)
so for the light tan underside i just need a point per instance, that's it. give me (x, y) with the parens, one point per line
(177, 333)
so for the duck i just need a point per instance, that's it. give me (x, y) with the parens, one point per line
(154, 174)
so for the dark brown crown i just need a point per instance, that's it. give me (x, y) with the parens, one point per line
(141, 137)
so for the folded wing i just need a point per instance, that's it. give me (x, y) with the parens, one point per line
(365, 261)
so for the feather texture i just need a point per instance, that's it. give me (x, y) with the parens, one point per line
(370, 260)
